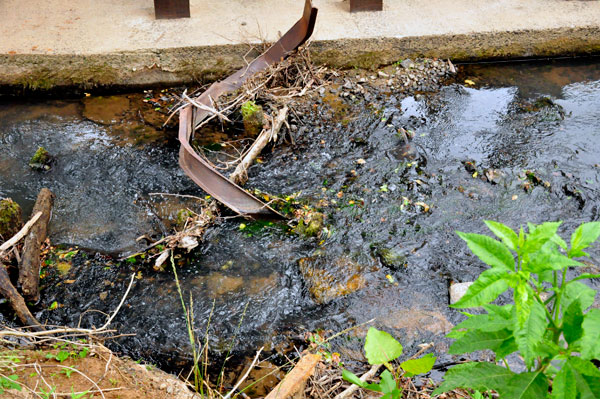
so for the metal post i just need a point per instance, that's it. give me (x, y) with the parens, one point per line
(366, 5)
(170, 9)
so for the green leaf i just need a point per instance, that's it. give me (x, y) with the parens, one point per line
(587, 377)
(575, 291)
(490, 251)
(523, 297)
(540, 262)
(479, 340)
(505, 233)
(525, 386)
(352, 378)
(584, 276)
(530, 333)
(387, 384)
(539, 235)
(564, 385)
(490, 284)
(484, 322)
(414, 367)
(559, 241)
(480, 376)
(572, 319)
(590, 341)
(62, 356)
(583, 236)
(381, 347)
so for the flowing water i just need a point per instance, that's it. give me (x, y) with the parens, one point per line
(520, 144)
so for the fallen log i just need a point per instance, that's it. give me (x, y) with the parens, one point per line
(240, 174)
(29, 268)
(17, 302)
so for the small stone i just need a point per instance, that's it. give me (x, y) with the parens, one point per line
(382, 74)
(163, 386)
(407, 64)
(458, 290)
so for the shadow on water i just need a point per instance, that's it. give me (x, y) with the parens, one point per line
(521, 144)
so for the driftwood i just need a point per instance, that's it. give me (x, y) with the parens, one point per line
(16, 301)
(240, 174)
(29, 267)
(17, 237)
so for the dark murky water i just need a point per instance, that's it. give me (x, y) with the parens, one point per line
(467, 162)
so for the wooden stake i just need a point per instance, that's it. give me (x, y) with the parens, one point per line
(29, 268)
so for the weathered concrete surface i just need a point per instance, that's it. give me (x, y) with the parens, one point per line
(89, 43)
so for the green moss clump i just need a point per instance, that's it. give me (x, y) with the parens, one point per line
(182, 217)
(11, 219)
(41, 160)
(253, 117)
(311, 225)
(391, 258)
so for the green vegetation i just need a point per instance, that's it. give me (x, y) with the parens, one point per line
(253, 117)
(382, 348)
(549, 323)
(40, 160)
(10, 218)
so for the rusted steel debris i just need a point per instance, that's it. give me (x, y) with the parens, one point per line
(195, 166)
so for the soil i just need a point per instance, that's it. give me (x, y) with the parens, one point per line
(115, 377)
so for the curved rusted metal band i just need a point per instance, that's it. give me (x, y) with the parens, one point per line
(195, 166)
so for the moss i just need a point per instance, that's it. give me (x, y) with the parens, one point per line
(391, 258)
(253, 117)
(182, 216)
(41, 160)
(311, 225)
(10, 218)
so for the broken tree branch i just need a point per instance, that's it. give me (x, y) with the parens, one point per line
(29, 268)
(17, 302)
(22, 233)
(240, 174)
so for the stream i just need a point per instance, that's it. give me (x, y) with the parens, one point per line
(520, 142)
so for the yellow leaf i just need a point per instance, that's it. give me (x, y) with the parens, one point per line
(469, 82)
(390, 278)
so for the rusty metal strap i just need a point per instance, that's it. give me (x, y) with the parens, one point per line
(195, 166)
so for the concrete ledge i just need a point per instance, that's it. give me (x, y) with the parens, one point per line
(172, 66)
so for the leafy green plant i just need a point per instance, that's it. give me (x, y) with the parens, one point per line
(548, 322)
(9, 382)
(381, 348)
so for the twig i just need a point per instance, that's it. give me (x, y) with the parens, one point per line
(241, 380)
(239, 175)
(22, 233)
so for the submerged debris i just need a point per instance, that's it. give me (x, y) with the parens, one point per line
(41, 160)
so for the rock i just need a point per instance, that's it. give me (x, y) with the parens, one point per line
(382, 74)
(458, 290)
(41, 160)
(254, 118)
(391, 258)
(327, 280)
(11, 219)
(407, 63)
(311, 225)
(414, 321)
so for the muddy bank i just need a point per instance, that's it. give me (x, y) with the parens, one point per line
(30, 73)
